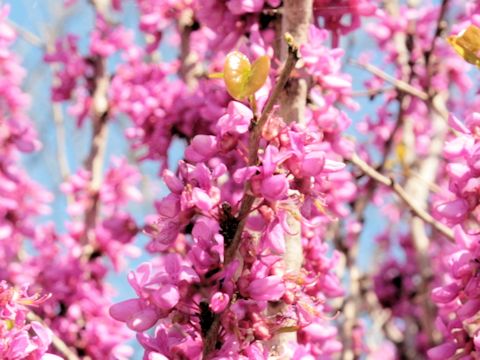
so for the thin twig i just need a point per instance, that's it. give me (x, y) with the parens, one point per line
(296, 20)
(399, 84)
(210, 339)
(428, 169)
(441, 25)
(371, 92)
(420, 212)
(254, 143)
(61, 141)
(26, 35)
(95, 158)
(56, 341)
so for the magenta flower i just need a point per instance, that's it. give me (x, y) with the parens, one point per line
(270, 288)
(135, 314)
(274, 187)
(236, 120)
(219, 302)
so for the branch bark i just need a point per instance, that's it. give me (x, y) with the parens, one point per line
(189, 66)
(400, 85)
(58, 343)
(420, 191)
(296, 20)
(211, 338)
(95, 159)
(404, 195)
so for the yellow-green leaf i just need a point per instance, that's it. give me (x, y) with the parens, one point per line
(467, 44)
(243, 79)
(9, 324)
(236, 73)
(216, 75)
(258, 75)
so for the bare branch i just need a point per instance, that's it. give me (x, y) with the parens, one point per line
(296, 19)
(95, 159)
(61, 141)
(189, 64)
(371, 92)
(399, 84)
(26, 35)
(211, 337)
(56, 341)
(419, 211)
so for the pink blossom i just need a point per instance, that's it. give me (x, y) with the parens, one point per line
(137, 316)
(238, 7)
(219, 302)
(270, 288)
(237, 120)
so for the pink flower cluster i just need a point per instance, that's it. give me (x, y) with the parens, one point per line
(114, 234)
(161, 108)
(458, 298)
(20, 197)
(69, 266)
(334, 11)
(198, 221)
(300, 175)
(21, 338)
(76, 73)
(294, 188)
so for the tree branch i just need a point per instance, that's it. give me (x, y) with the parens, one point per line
(56, 341)
(410, 202)
(189, 65)
(428, 169)
(95, 158)
(26, 35)
(61, 148)
(210, 339)
(399, 84)
(296, 20)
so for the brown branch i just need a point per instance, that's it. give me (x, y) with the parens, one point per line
(428, 169)
(210, 339)
(189, 64)
(399, 84)
(400, 191)
(56, 341)
(441, 25)
(61, 142)
(95, 158)
(254, 143)
(371, 92)
(26, 35)
(296, 20)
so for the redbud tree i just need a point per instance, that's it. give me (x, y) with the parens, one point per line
(316, 176)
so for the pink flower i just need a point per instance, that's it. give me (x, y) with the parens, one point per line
(219, 301)
(445, 293)
(443, 351)
(270, 288)
(202, 148)
(455, 210)
(239, 7)
(135, 314)
(236, 120)
(274, 187)
(166, 297)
